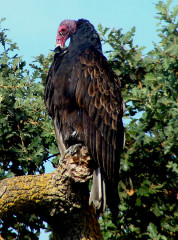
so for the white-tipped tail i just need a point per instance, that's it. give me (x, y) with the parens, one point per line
(98, 191)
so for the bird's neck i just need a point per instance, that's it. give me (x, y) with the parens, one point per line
(85, 36)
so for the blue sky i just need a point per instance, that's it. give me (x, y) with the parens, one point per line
(33, 24)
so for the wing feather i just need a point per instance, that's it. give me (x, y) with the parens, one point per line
(98, 95)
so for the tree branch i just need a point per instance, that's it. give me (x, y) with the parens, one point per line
(60, 197)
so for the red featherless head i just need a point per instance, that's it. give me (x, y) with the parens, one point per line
(65, 30)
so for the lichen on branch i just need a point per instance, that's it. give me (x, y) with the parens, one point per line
(62, 194)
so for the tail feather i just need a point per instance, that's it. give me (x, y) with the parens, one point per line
(98, 191)
(59, 137)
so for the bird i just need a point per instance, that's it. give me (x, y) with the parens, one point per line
(83, 98)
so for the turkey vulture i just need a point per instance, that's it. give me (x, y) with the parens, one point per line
(83, 97)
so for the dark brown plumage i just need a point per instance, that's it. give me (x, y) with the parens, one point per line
(83, 97)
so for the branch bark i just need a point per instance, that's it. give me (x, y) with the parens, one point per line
(60, 198)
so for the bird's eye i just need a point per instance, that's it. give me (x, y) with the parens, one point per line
(63, 31)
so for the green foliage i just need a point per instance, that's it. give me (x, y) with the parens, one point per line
(26, 136)
(149, 162)
(23, 141)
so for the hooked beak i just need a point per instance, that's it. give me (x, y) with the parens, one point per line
(60, 42)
